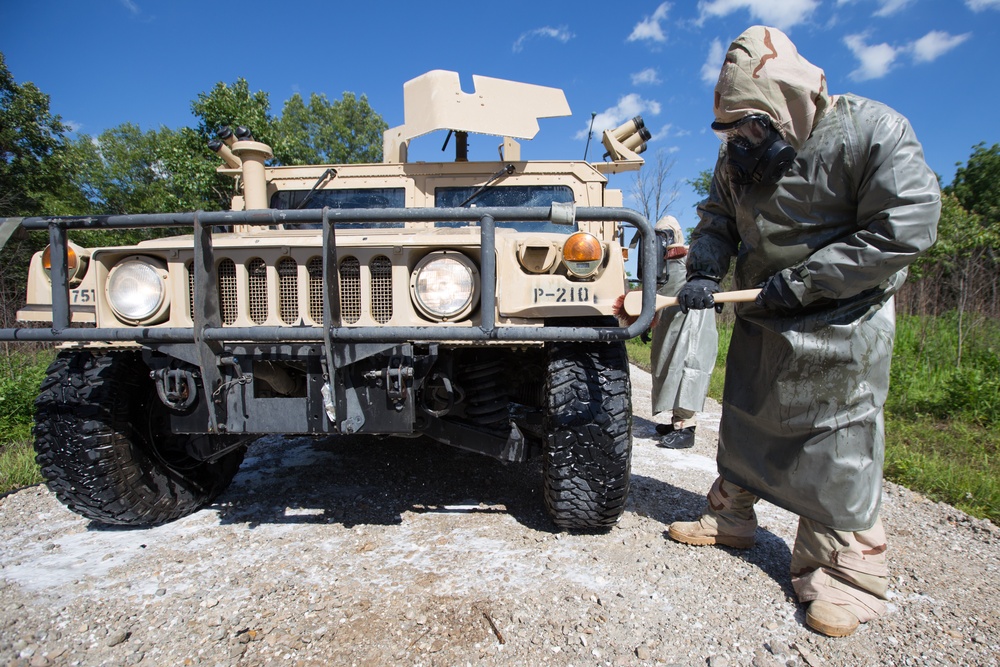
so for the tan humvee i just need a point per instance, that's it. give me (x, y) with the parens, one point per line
(472, 302)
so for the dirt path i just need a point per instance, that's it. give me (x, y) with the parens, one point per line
(367, 552)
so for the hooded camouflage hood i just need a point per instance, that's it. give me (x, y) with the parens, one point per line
(764, 73)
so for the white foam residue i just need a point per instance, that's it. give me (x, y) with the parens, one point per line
(93, 554)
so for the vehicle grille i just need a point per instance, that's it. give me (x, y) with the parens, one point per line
(246, 291)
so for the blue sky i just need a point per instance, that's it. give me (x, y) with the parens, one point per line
(106, 62)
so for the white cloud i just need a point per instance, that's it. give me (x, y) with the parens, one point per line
(782, 14)
(649, 27)
(648, 76)
(980, 5)
(713, 63)
(875, 59)
(561, 34)
(131, 6)
(890, 7)
(73, 126)
(935, 44)
(628, 106)
(663, 133)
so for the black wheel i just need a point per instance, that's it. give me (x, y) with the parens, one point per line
(105, 448)
(588, 441)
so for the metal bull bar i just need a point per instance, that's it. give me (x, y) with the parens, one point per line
(208, 329)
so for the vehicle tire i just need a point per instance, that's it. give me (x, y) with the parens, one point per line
(588, 435)
(105, 449)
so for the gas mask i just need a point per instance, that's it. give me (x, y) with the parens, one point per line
(756, 152)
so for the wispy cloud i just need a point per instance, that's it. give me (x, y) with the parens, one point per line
(663, 133)
(560, 34)
(890, 7)
(783, 15)
(628, 106)
(935, 44)
(980, 5)
(647, 77)
(130, 6)
(649, 27)
(713, 63)
(877, 60)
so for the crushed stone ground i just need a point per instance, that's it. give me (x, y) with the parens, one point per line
(359, 551)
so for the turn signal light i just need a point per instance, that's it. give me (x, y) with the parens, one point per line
(583, 254)
(72, 260)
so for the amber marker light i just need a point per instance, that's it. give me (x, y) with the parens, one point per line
(72, 260)
(76, 264)
(582, 254)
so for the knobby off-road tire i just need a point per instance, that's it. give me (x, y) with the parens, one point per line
(588, 441)
(104, 445)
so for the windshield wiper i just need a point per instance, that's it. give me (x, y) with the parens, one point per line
(328, 174)
(506, 171)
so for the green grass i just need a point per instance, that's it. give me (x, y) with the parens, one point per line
(20, 376)
(942, 416)
(17, 466)
(952, 461)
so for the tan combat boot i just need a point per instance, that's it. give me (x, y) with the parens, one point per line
(706, 531)
(830, 620)
(729, 519)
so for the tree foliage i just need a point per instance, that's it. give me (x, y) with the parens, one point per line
(702, 184)
(347, 130)
(30, 134)
(977, 184)
(234, 105)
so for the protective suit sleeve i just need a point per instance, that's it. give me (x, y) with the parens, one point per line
(898, 206)
(716, 239)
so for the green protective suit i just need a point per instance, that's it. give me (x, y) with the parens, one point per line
(684, 345)
(682, 353)
(802, 422)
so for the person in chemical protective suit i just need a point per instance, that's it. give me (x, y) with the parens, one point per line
(824, 201)
(682, 354)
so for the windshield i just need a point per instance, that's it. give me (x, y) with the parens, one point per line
(450, 197)
(507, 195)
(349, 198)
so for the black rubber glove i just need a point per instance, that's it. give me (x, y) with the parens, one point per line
(697, 294)
(776, 295)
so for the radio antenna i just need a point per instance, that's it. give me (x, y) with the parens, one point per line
(590, 133)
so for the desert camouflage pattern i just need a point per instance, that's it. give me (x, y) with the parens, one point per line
(764, 73)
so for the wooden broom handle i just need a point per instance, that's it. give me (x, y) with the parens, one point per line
(633, 300)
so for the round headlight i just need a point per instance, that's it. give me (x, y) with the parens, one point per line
(135, 289)
(582, 254)
(444, 285)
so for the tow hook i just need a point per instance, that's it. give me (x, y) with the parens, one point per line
(396, 377)
(175, 387)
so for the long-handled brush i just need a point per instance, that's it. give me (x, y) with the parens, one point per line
(628, 306)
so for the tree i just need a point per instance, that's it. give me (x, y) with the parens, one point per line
(651, 190)
(703, 183)
(30, 134)
(977, 184)
(347, 130)
(119, 171)
(234, 106)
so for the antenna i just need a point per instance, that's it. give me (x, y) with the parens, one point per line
(590, 133)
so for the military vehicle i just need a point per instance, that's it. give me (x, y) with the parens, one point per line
(471, 302)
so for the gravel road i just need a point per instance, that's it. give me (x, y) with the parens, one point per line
(356, 551)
